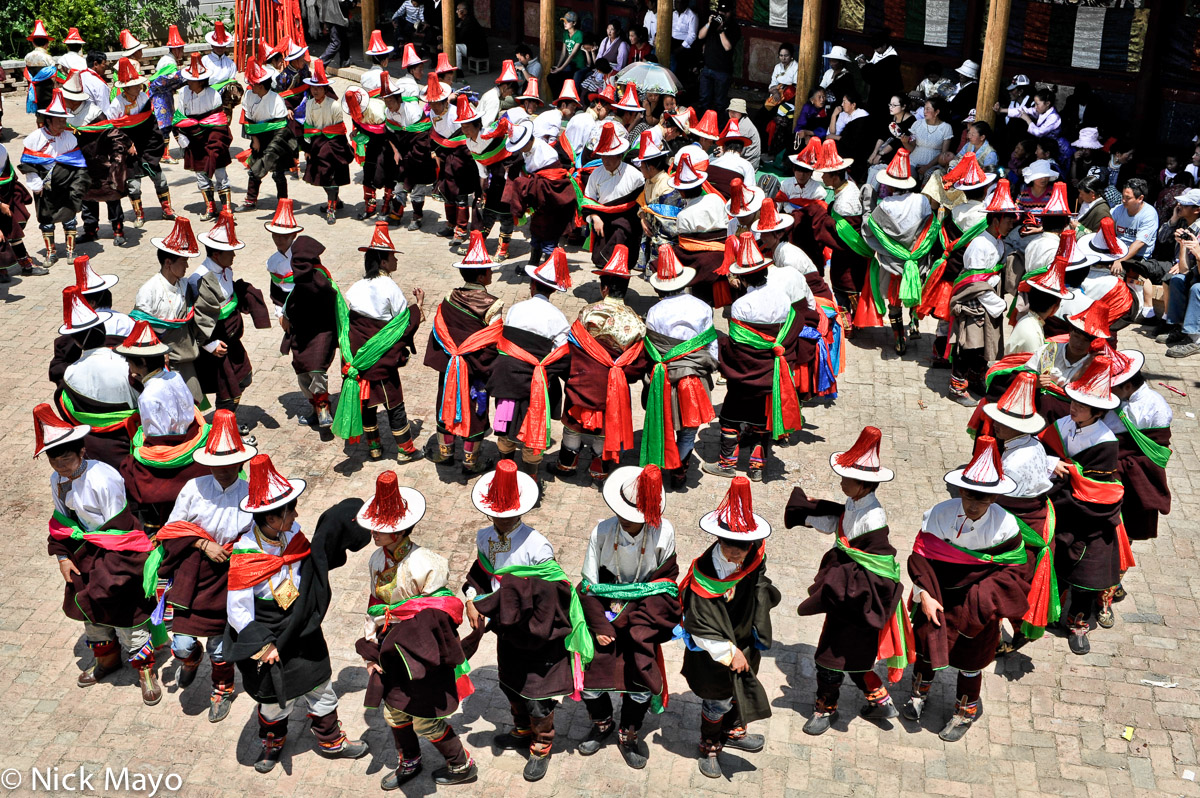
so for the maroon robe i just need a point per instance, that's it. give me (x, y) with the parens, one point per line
(311, 310)
(1146, 491)
(198, 588)
(418, 657)
(152, 490)
(1086, 551)
(383, 379)
(463, 311)
(749, 374)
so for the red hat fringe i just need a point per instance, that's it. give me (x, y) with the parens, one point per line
(387, 505)
(262, 476)
(44, 416)
(737, 508)
(224, 428)
(732, 250)
(562, 269)
(1109, 229)
(1096, 379)
(649, 495)
(501, 130)
(81, 272)
(668, 266)
(868, 440)
(503, 494)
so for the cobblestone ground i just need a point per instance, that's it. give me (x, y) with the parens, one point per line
(1121, 721)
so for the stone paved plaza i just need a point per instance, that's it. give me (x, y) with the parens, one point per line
(1053, 723)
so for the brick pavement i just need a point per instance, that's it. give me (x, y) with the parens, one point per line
(1053, 722)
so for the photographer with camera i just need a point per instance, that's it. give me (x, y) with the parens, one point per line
(720, 36)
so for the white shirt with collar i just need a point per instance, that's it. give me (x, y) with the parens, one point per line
(95, 88)
(523, 546)
(120, 106)
(199, 103)
(683, 26)
(1028, 335)
(267, 108)
(1025, 461)
(702, 215)
(984, 252)
(1146, 408)
(947, 521)
(203, 502)
(101, 375)
(72, 61)
(95, 498)
(280, 265)
(630, 559)
(734, 162)
(377, 298)
(759, 305)
(87, 113)
(847, 200)
(1076, 439)
(541, 156)
(370, 79)
(606, 187)
(790, 283)
(166, 405)
(161, 299)
(537, 315)
(489, 107)
(239, 604)
(220, 67)
(784, 75)
(579, 131)
(681, 316)
(860, 517)
(814, 189)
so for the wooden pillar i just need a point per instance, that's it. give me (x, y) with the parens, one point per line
(548, 53)
(991, 67)
(368, 23)
(808, 58)
(662, 41)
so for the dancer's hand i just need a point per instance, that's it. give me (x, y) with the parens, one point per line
(931, 607)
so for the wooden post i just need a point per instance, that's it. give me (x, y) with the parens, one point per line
(368, 25)
(547, 51)
(448, 17)
(991, 67)
(808, 59)
(662, 42)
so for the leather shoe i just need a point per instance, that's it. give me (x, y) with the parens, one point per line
(95, 674)
(151, 689)
(536, 767)
(445, 775)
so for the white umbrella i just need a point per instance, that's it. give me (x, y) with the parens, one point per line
(648, 76)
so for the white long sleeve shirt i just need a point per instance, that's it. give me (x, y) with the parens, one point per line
(523, 546)
(203, 502)
(239, 604)
(95, 498)
(628, 558)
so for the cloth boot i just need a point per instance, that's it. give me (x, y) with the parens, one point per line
(502, 250)
(210, 205)
(164, 201)
(273, 735)
(139, 215)
(71, 234)
(382, 210)
(51, 253)
(368, 203)
(521, 734)
(227, 198)
(108, 660)
(252, 187)
(896, 317)
(568, 461)
(450, 746)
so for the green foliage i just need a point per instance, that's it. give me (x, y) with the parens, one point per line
(203, 23)
(16, 20)
(99, 21)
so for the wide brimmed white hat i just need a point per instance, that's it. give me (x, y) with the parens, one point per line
(623, 494)
(393, 508)
(734, 518)
(861, 461)
(985, 472)
(505, 492)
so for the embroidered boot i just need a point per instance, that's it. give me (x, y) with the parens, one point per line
(896, 317)
(601, 730)
(148, 681)
(917, 698)
(324, 414)
(712, 740)
(879, 705)
(406, 451)
(539, 751)
(1078, 641)
(736, 736)
(250, 203)
(823, 716)
(51, 253)
(958, 392)
(633, 750)
(408, 747)
(451, 211)
(139, 215)
(502, 250)
(331, 740)
(368, 204)
(186, 667)
(519, 737)
(374, 444)
(331, 212)
(273, 736)
(965, 713)
(1106, 617)
(221, 698)
(474, 465)
(71, 234)
(445, 451)
(227, 198)
(567, 464)
(210, 206)
(418, 215)
(108, 661)
(164, 202)
(460, 767)
(382, 210)
(118, 234)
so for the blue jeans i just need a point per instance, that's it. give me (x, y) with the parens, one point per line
(715, 709)
(182, 647)
(685, 441)
(714, 89)
(1184, 304)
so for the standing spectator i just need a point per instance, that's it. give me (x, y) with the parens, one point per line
(408, 22)
(650, 20)
(1082, 109)
(962, 97)
(571, 58)
(640, 48)
(1020, 100)
(334, 14)
(882, 74)
(613, 46)
(1044, 121)
(720, 35)
(683, 36)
